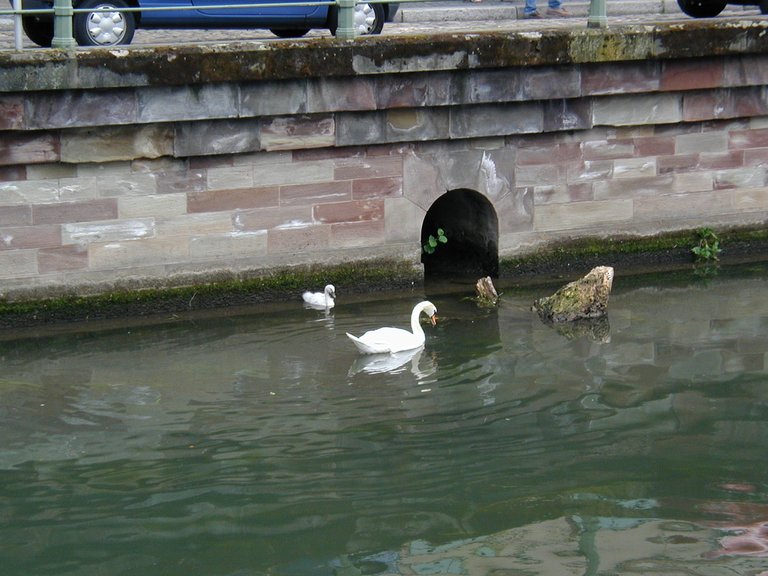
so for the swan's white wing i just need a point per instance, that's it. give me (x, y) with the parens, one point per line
(386, 340)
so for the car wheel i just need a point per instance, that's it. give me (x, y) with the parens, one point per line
(368, 19)
(37, 30)
(104, 28)
(702, 8)
(293, 33)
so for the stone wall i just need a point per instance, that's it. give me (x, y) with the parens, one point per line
(114, 171)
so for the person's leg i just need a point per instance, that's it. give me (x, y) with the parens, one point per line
(530, 7)
(555, 4)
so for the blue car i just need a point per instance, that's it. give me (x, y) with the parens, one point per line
(109, 26)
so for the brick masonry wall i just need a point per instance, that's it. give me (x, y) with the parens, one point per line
(167, 184)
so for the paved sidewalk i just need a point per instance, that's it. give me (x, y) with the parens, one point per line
(454, 16)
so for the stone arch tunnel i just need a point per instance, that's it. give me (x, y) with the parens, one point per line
(471, 226)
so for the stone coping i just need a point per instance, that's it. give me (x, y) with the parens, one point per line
(375, 55)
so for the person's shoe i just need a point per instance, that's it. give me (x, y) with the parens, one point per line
(532, 16)
(557, 12)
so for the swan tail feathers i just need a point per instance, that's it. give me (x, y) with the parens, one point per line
(364, 347)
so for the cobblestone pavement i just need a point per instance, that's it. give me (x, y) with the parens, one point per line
(145, 38)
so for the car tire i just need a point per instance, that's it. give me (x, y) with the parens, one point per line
(702, 8)
(104, 28)
(369, 19)
(38, 30)
(290, 33)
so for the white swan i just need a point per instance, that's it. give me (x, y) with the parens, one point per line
(391, 340)
(321, 300)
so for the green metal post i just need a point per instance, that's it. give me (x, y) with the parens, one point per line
(597, 17)
(62, 24)
(346, 24)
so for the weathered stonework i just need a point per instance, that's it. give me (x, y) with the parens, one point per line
(147, 164)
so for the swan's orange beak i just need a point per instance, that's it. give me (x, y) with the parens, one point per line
(433, 319)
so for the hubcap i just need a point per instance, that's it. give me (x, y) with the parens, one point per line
(106, 28)
(364, 18)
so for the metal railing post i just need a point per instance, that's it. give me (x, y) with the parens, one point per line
(346, 24)
(17, 26)
(597, 17)
(62, 24)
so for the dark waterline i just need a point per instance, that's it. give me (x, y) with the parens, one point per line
(262, 443)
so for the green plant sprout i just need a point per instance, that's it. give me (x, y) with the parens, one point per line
(708, 248)
(433, 241)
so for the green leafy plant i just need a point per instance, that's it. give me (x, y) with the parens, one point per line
(708, 247)
(434, 241)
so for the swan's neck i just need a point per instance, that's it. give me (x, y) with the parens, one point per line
(415, 325)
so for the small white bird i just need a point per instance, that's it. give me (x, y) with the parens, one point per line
(391, 340)
(320, 300)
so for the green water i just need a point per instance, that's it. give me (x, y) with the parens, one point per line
(261, 443)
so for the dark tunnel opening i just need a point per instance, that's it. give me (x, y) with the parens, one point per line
(471, 228)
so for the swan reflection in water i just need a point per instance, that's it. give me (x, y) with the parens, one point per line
(394, 363)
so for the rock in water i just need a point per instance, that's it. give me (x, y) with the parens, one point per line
(486, 292)
(584, 298)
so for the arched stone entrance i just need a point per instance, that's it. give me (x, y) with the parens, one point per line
(472, 228)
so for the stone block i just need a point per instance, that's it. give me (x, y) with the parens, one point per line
(654, 146)
(564, 115)
(360, 128)
(12, 173)
(327, 94)
(230, 177)
(746, 70)
(217, 137)
(18, 192)
(750, 199)
(370, 188)
(221, 200)
(550, 83)
(51, 171)
(679, 206)
(415, 125)
(293, 174)
(67, 212)
(589, 170)
(563, 193)
(176, 103)
(195, 224)
(352, 211)
(494, 120)
(231, 245)
(64, 259)
(112, 143)
(29, 148)
(319, 193)
(267, 218)
(299, 239)
(358, 234)
(138, 253)
(633, 187)
(621, 78)
(11, 112)
(293, 133)
(403, 221)
(595, 215)
(15, 215)
(634, 167)
(487, 86)
(711, 142)
(110, 231)
(692, 74)
(106, 185)
(746, 139)
(25, 237)
(677, 163)
(413, 90)
(539, 175)
(366, 167)
(68, 109)
(152, 206)
(18, 264)
(276, 98)
(727, 103)
(637, 110)
(739, 178)
(189, 181)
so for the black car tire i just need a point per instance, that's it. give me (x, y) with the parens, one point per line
(289, 33)
(702, 8)
(369, 19)
(38, 30)
(104, 28)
